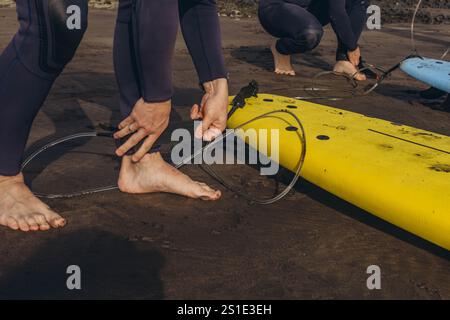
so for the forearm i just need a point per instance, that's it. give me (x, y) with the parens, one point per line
(201, 30)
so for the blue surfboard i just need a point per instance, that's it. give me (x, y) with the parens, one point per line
(435, 73)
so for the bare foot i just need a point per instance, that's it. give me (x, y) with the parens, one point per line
(153, 174)
(20, 209)
(282, 62)
(349, 69)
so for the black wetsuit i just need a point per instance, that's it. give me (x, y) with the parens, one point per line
(299, 23)
(144, 42)
(48, 37)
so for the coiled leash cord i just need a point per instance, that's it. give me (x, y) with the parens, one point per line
(238, 102)
(367, 67)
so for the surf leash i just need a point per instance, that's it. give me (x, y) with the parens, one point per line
(381, 73)
(239, 102)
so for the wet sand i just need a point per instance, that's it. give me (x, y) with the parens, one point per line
(311, 245)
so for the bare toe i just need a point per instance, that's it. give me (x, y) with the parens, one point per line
(23, 225)
(54, 219)
(42, 222)
(20, 209)
(33, 225)
(205, 192)
(12, 223)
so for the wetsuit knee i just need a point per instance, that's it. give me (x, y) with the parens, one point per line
(50, 33)
(309, 39)
(67, 24)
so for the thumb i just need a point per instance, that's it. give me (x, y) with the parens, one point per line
(195, 112)
(199, 131)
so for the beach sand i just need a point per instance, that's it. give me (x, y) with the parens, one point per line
(311, 245)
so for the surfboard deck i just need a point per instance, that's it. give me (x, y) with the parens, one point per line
(399, 173)
(435, 73)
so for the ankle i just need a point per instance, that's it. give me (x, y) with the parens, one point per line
(150, 157)
(9, 179)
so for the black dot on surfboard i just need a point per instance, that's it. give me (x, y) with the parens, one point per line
(291, 106)
(323, 137)
(268, 100)
(291, 128)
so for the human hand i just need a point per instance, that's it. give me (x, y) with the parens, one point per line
(212, 110)
(354, 56)
(147, 121)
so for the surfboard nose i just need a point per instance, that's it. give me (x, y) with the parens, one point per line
(435, 73)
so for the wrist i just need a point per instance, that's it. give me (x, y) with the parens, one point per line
(156, 103)
(216, 86)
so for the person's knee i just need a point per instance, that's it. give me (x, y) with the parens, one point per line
(310, 38)
(67, 23)
(50, 34)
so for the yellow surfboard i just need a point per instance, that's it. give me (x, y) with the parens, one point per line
(398, 173)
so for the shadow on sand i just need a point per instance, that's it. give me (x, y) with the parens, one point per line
(111, 268)
(261, 57)
(361, 215)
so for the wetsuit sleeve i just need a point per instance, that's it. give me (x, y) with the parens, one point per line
(145, 36)
(342, 24)
(201, 30)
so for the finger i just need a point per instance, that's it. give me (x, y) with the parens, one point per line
(126, 122)
(145, 148)
(206, 123)
(195, 112)
(131, 128)
(204, 99)
(360, 77)
(198, 134)
(202, 129)
(211, 134)
(221, 123)
(131, 142)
